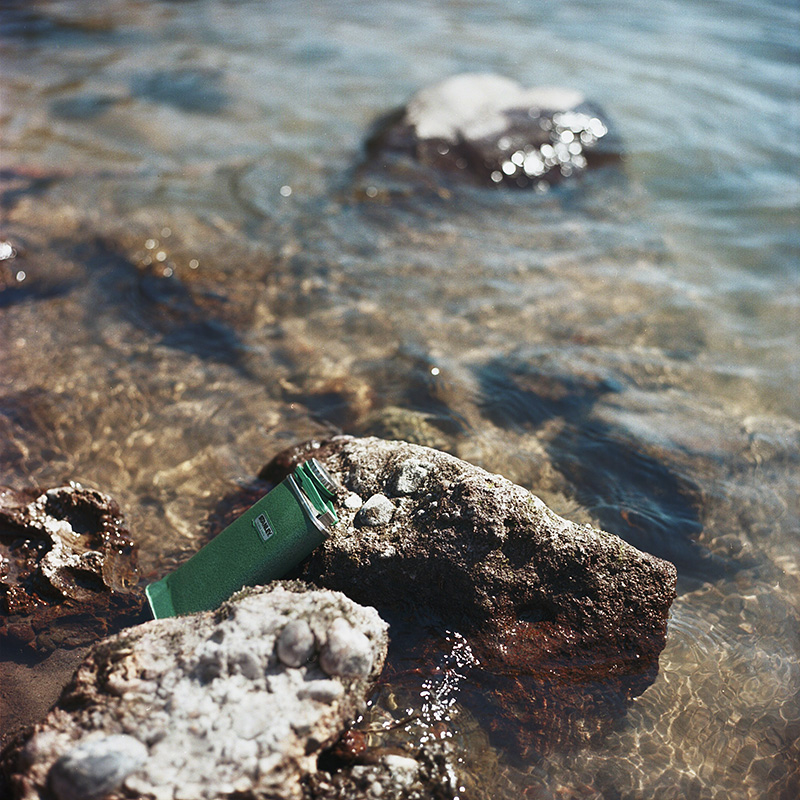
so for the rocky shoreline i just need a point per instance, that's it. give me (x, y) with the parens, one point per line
(559, 626)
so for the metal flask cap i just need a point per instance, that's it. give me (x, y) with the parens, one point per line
(314, 488)
(324, 477)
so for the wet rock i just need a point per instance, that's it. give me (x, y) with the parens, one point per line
(209, 727)
(389, 777)
(21, 281)
(493, 131)
(68, 567)
(416, 427)
(566, 622)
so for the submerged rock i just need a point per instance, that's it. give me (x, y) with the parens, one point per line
(566, 622)
(68, 567)
(493, 131)
(207, 706)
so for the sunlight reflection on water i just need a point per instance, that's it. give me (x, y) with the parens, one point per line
(191, 279)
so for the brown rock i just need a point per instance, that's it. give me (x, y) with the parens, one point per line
(566, 622)
(67, 567)
(490, 130)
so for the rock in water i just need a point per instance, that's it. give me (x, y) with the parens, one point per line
(208, 704)
(68, 568)
(566, 622)
(493, 131)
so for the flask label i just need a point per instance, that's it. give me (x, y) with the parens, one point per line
(263, 527)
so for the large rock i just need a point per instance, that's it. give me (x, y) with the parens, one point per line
(68, 567)
(239, 701)
(493, 131)
(565, 622)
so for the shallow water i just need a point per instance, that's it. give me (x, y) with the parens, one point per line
(201, 278)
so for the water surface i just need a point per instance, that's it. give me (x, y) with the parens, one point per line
(201, 278)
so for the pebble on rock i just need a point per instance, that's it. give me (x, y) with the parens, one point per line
(296, 643)
(411, 476)
(378, 510)
(96, 767)
(347, 651)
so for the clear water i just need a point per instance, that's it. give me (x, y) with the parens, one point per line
(201, 279)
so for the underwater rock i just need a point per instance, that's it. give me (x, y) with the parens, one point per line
(566, 622)
(388, 777)
(210, 700)
(68, 567)
(417, 427)
(493, 131)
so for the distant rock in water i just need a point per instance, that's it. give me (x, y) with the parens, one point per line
(566, 622)
(68, 567)
(493, 131)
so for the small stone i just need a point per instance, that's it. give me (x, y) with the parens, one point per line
(347, 651)
(296, 643)
(411, 475)
(94, 768)
(353, 501)
(404, 770)
(378, 510)
(248, 665)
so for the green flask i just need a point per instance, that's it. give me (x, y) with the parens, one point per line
(263, 544)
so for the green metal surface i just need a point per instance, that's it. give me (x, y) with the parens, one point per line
(263, 544)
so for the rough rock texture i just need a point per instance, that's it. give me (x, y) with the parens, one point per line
(67, 567)
(566, 622)
(391, 777)
(239, 701)
(495, 132)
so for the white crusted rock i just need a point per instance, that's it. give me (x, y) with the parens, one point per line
(491, 130)
(208, 707)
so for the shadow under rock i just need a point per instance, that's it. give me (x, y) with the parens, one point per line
(630, 491)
